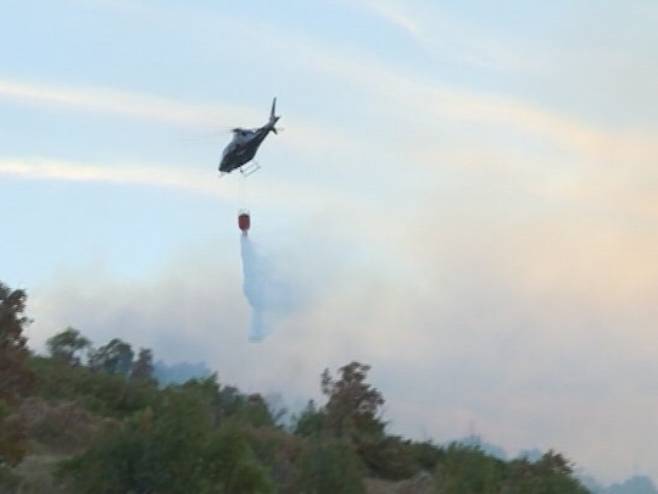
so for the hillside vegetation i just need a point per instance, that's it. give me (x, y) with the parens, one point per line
(95, 420)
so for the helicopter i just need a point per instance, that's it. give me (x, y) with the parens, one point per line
(241, 150)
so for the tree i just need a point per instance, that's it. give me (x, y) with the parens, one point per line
(388, 457)
(551, 474)
(143, 367)
(229, 465)
(228, 402)
(330, 466)
(353, 412)
(13, 442)
(311, 421)
(353, 405)
(15, 378)
(67, 346)
(462, 468)
(114, 358)
(155, 450)
(169, 448)
(256, 412)
(468, 469)
(552, 463)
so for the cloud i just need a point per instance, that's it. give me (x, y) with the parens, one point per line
(416, 104)
(265, 192)
(46, 169)
(447, 38)
(392, 13)
(433, 105)
(129, 104)
(169, 111)
(393, 93)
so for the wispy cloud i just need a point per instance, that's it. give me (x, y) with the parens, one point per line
(46, 169)
(169, 111)
(431, 103)
(129, 104)
(393, 93)
(447, 38)
(395, 15)
(185, 180)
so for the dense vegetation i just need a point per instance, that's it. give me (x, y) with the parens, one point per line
(94, 420)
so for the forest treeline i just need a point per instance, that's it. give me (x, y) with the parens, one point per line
(86, 419)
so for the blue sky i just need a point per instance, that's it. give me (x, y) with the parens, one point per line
(463, 197)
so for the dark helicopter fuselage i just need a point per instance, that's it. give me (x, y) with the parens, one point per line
(242, 149)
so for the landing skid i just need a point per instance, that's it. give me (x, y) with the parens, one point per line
(249, 168)
(246, 170)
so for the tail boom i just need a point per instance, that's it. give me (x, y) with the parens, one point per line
(274, 118)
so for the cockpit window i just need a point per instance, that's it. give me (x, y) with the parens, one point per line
(229, 149)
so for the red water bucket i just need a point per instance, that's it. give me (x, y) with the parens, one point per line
(244, 221)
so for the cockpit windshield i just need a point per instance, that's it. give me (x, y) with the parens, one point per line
(230, 148)
(241, 135)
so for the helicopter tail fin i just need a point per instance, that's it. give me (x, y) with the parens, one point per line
(274, 118)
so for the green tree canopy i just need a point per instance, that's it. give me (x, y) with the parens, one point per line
(114, 358)
(15, 378)
(143, 366)
(311, 421)
(353, 405)
(172, 448)
(330, 466)
(67, 346)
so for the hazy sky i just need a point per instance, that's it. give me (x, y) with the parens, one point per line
(464, 197)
